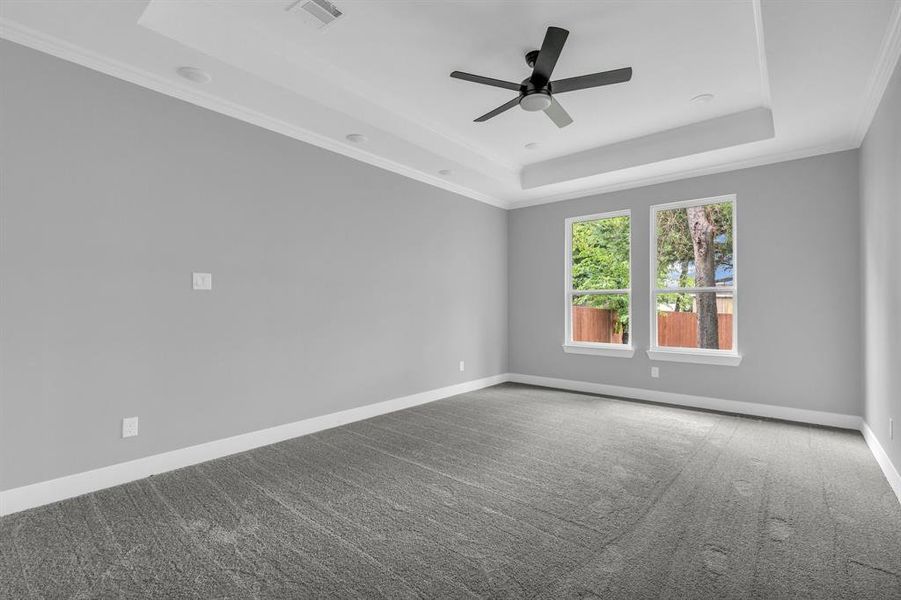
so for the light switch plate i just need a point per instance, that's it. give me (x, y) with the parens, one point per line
(655, 372)
(203, 281)
(129, 427)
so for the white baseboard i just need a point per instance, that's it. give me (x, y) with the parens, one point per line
(885, 463)
(731, 406)
(45, 492)
(800, 415)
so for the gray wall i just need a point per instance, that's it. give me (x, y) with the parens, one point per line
(798, 263)
(880, 196)
(335, 284)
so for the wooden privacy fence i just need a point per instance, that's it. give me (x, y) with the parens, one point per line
(592, 324)
(674, 329)
(681, 329)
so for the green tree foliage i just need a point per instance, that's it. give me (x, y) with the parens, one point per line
(600, 255)
(675, 255)
(695, 249)
(675, 250)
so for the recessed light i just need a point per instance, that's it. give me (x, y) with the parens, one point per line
(356, 138)
(702, 99)
(531, 146)
(194, 74)
(445, 172)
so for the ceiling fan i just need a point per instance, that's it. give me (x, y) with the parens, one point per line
(537, 92)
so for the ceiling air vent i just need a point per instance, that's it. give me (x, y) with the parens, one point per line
(317, 13)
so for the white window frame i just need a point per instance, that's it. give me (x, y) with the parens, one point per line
(595, 348)
(695, 355)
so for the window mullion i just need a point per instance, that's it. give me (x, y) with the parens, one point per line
(600, 292)
(601, 328)
(694, 290)
(674, 299)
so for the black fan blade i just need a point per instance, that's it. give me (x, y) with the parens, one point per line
(498, 110)
(507, 85)
(589, 81)
(557, 114)
(548, 55)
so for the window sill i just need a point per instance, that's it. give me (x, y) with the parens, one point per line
(600, 350)
(727, 359)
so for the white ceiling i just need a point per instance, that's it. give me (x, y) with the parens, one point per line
(790, 79)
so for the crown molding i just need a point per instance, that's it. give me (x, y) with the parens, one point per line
(347, 82)
(36, 40)
(888, 57)
(889, 53)
(761, 54)
(694, 139)
(736, 165)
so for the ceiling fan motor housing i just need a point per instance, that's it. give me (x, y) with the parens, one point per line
(532, 98)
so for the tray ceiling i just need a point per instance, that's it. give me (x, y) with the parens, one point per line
(787, 79)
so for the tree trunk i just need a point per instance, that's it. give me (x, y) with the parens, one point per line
(702, 234)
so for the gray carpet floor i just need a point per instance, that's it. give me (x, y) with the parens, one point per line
(508, 492)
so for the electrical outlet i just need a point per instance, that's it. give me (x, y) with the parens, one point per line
(202, 281)
(129, 427)
(655, 372)
(462, 366)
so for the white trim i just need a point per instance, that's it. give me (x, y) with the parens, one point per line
(885, 463)
(719, 289)
(745, 127)
(581, 347)
(770, 411)
(761, 54)
(726, 167)
(705, 356)
(695, 202)
(889, 53)
(45, 492)
(42, 42)
(799, 415)
(36, 40)
(601, 292)
(729, 359)
(598, 216)
(616, 350)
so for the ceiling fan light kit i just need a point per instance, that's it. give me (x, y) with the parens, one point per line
(536, 93)
(535, 101)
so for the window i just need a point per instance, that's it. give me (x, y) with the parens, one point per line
(598, 301)
(694, 285)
